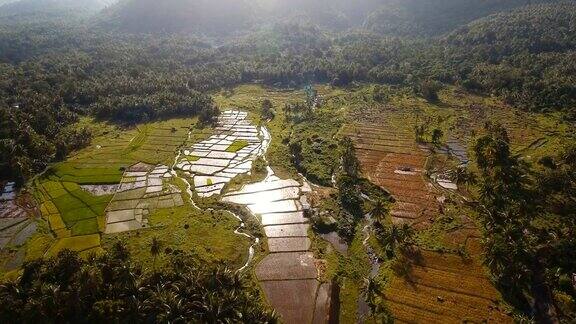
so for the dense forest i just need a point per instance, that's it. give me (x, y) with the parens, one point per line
(110, 288)
(525, 56)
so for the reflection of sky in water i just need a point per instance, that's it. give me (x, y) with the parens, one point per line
(265, 207)
(265, 196)
(293, 230)
(271, 185)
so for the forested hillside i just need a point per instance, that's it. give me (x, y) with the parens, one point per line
(24, 9)
(435, 17)
(225, 17)
(525, 56)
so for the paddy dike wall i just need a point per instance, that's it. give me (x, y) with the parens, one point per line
(288, 274)
(439, 287)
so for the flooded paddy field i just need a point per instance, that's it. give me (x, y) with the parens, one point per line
(143, 189)
(17, 225)
(289, 274)
(229, 152)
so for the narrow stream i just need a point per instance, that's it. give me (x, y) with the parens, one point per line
(238, 230)
(363, 307)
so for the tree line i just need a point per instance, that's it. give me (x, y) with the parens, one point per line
(110, 288)
(529, 221)
(61, 68)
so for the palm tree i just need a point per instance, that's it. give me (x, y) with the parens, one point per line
(407, 235)
(463, 177)
(155, 249)
(395, 236)
(371, 290)
(350, 162)
(379, 211)
(389, 237)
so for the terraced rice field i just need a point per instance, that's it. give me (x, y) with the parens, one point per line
(532, 135)
(230, 151)
(143, 189)
(437, 288)
(288, 275)
(443, 288)
(390, 158)
(75, 216)
(75, 195)
(15, 224)
(157, 143)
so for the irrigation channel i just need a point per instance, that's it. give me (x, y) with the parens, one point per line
(288, 274)
(265, 136)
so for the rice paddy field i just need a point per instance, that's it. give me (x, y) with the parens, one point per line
(447, 282)
(146, 182)
(76, 197)
(391, 158)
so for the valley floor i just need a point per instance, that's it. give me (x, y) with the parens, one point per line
(233, 194)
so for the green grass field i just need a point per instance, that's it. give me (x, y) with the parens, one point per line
(207, 234)
(237, 145)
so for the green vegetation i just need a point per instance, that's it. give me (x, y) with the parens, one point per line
(237, 145)
(528, 246)
(76, 243)
(69, 206)
(108, 287)
(267, 112)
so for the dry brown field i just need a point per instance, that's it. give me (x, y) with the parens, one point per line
(429, 287)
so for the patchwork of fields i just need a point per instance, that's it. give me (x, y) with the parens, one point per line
(130, 185)
(75, 195)
(432, 287)
(144, 188)
(215, 161)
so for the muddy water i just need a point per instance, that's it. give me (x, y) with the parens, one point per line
(336, 241)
